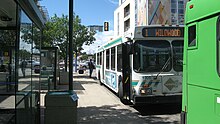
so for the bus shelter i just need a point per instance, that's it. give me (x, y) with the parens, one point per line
(21, 24)
(49, 68)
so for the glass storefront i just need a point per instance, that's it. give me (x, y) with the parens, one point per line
(7, 74)
(20, 43)
(28, 90)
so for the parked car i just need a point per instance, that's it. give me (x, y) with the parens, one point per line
(33, 63)
(84, 64)
(37, 69)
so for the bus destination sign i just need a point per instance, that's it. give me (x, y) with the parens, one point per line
(163, 32)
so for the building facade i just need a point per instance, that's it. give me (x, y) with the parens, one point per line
(21, 26)
(131, 13)
(98, 28)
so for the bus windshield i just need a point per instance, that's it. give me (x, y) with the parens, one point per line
(151, 56)
(177, 55)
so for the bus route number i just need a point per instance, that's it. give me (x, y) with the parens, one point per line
(162, 32)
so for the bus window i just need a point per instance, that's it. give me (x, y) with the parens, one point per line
(107, 59)
(152, 56)
(113, 58)
(177, 55)
(119, 58)
(192, 36)
(98, 57)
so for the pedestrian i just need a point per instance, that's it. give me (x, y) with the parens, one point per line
(91, 67)
(23, 67)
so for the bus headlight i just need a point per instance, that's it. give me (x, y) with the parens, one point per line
(142, 91)
(146, 90)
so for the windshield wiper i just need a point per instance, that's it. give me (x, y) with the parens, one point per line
(164, 67)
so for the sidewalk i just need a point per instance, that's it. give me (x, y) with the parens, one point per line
(98, 105)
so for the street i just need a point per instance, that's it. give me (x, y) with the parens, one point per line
(98, 105)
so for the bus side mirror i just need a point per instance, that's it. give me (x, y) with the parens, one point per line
(130, 47)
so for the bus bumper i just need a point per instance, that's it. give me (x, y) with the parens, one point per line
(158, 99)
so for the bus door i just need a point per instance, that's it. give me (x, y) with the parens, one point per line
(126, 71)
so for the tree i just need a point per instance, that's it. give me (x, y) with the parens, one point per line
(7, 38)
(84, 56)
(56, 34)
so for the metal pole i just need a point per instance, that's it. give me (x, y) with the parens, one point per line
(70, 44)
(67, 52)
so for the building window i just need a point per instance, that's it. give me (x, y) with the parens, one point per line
(136, 13)
(113, 58)
(118, 21)
(192, 36)
(126, 25)
(127, 10)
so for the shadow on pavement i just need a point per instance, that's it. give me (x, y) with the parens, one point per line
(158, 109)
(111, 114)
(107, 114)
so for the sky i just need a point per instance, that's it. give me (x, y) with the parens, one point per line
(91, 12)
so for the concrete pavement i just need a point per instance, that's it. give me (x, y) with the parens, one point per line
(98, 105)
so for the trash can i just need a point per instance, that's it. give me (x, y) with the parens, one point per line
(64, 78)
(61, 107)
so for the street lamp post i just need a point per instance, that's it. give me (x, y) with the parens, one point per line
(70, 44)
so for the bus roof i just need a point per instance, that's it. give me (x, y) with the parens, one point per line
(110, 43)
(198, 9)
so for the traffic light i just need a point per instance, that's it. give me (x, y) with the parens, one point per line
(106, 26)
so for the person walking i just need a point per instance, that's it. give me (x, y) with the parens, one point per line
(91, 67)
(23, 67)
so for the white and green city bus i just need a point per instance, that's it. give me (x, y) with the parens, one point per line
(146, 68)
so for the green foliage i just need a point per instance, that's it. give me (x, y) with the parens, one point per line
(84, 57)
(30, 33)
(56, 34)
(7, 38)
(24, 54)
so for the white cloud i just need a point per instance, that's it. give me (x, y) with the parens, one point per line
(115, 2)
(101, 38)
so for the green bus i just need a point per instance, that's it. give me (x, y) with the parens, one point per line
(201, 65)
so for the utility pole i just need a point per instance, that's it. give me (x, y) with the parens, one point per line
(70, 44)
